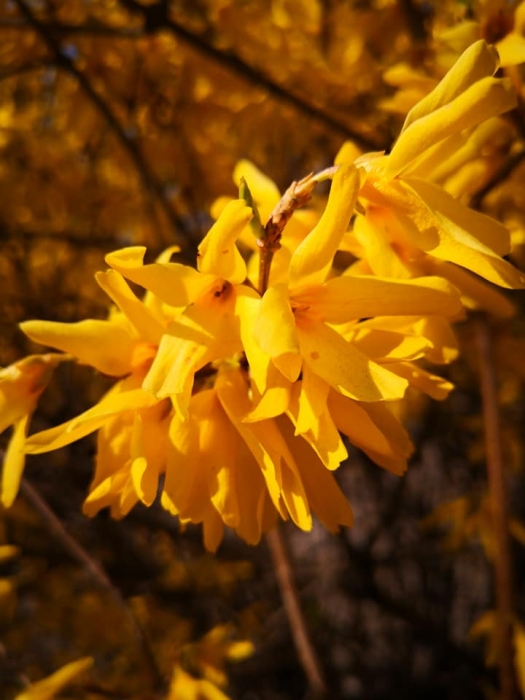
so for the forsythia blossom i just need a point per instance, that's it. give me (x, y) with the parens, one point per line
(233, 392)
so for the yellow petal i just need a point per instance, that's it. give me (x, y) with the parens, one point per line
(324, 495)
(312, 400)
(275, 332)
(247, 309)
(218, 254)
(185, 485)
(484, 99)
(106, 346)
(262, 438)
(113, 403)
(478, 61)
(370, 233)
(176, 284)
(475, 293)
(21, 385)
(49, 687)
(386, 346)
(344, 367)
(144, 475)
(262, 188)
(14, 460)
(373, 429)
(348, 297)
(436, 387)
(205, 332)
(275, 399)
(511, 50)
(149, 326)
(312, 260)
(485, 229)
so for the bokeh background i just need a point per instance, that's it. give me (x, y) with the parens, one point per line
(121, 122)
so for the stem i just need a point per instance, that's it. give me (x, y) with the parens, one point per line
(79, 554)
(499, 508)
(301, 637)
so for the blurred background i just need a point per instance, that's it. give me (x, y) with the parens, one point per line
(121, 122)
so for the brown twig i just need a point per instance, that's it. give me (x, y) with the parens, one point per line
(301, 638)
(79, 554)
(498, 500)
(295, 197)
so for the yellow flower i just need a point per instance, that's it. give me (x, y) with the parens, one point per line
(207, 327)
(48, 688)
(295, 326)
(496, 21)
(21, 385)
(222, 470)
(266, 196)
(411, 226)
(129, 459)
(184, 686)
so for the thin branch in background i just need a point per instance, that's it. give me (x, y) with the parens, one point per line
(79, 554)
(89, 29)
(498, 178)
(156, 18)
(301, 637)
(499, 508)
(65, 63)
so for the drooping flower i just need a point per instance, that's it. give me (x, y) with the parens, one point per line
(21, 385)
(207, 327)
(224, 471)
(295, 326)
(410, 226)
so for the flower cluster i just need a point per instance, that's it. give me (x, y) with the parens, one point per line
(238, 380)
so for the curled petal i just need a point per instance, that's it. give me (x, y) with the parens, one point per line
(13, 465)
(148, 325)
(218, 254)
(486, 98)
(312, 260)
(479, 61)
(176, 284)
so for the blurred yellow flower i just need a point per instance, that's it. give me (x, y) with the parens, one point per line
(21, 385)
(49, 687)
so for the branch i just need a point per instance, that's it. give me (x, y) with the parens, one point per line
(301, 637)
(78, 554)
(499, 176)
(90, 28)
(68, 65)
(499, 508)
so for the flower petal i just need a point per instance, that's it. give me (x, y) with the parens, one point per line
(373, 429)
(353, 296)
(149, 326)
(484, 99)
(478, 61)
(14, 461)
(312, 260)
(114, 402)
(275, 331)
(176, 284)
(105, 345)
(344, 367)
(218, 254)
